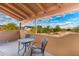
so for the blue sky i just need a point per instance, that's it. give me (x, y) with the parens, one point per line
(5, 19)
(67, 21)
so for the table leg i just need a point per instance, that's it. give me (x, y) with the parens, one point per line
(24, 49)
(18, 47)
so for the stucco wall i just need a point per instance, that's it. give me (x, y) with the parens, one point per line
(66, 45)
(9, 35)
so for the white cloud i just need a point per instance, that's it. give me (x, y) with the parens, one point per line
(68, 22)
(67, 26)
(74, 18)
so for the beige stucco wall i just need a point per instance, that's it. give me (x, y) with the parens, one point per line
(9, 35)
(65, 45)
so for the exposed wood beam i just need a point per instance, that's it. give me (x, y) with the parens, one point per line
(5, 8)
(27, 20)
(60, 5)
(10, 14)
(17, 10)
(24, 7)
(42, 9)
(53, 8)
(40, 6)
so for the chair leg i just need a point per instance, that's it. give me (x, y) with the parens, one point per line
(42, 53)
(31, 53)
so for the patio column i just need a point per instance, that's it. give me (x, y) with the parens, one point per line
(36, 26)
(20, 30)
(20, 25)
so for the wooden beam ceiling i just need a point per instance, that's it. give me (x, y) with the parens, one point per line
(29, 11)
(25, 7)
(10, 11)
(17, 10)
(10, 14)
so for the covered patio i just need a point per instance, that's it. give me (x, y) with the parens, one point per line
(27, 12)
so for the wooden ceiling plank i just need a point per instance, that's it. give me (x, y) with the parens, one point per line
(60, 5)
(10, 14)
(26, 8)
(5, 8)
(17, 10)
(42, 9)
(40, 6)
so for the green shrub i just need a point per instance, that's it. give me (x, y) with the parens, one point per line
(75, 29)
(39, 29)
(68, 29)
(11, 26)
(57, 29)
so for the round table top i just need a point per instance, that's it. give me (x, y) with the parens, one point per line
(26, 40)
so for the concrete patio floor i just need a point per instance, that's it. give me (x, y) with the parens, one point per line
(11, 49)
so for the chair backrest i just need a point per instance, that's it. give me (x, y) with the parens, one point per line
(44, 43)
(27, 36)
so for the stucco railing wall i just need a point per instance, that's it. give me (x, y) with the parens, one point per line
(9, 35)
(65, 45)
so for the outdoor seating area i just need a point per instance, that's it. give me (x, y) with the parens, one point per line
(15, 49)
(39, 29)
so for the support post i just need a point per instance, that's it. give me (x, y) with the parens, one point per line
(20, 30)
(36, 26)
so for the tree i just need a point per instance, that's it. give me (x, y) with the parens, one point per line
(48, 27)
(39, 29)
(44, 30)
(11, 26)
(51, 29)
(75, 29)
(47, 30)
(39, 26)
(68, 29)
(33, 30)
(57, 28)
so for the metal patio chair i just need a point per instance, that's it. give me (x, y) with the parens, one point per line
(39, 50)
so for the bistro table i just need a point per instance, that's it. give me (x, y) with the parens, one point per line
(26, 42)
